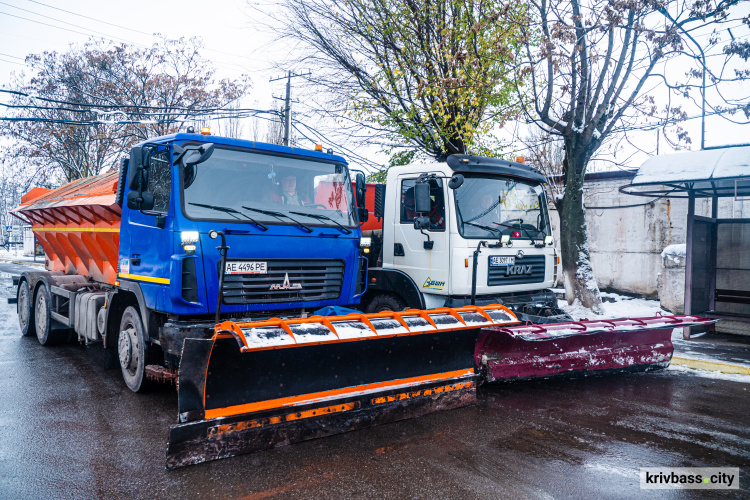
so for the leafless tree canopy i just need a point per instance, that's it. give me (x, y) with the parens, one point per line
(140, 93)
(592, 66)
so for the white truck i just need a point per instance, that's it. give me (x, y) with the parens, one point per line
(473, 230)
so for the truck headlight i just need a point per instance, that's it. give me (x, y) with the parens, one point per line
(548, 240)
(188, 237)
(365, 241)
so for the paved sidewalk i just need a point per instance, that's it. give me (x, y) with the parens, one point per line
(714, 352)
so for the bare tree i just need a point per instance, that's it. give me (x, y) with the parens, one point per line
(430, 75)
(82, 109)
(591, 65)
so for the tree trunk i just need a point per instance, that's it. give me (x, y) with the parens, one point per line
(578, 275)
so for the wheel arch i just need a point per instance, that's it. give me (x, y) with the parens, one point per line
(395, 282)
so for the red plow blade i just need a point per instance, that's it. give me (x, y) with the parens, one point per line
(582, 347)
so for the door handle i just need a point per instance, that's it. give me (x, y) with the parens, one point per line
(398, 250)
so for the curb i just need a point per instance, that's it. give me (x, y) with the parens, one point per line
(714, 366)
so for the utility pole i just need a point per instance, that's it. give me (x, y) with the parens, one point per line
(288, 109)
(288, 104)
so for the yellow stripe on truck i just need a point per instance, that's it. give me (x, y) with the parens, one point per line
(138, 277)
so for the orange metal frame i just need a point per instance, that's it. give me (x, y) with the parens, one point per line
(230, 329)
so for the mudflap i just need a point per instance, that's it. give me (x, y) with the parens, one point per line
(261, 385)
(578, 348)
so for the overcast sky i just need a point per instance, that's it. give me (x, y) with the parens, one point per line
(232, 36)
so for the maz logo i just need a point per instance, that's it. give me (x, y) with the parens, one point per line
(286, 285)
(516, 270)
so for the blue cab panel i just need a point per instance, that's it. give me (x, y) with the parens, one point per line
(288, 215)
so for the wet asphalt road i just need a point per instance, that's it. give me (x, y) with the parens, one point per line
(70, 429)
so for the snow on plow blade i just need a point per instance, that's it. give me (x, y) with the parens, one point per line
(259, 385)
(581, 347)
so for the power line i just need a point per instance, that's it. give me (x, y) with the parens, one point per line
(60, 27)
(125, 27)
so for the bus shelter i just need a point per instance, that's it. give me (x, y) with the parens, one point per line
(717, 267)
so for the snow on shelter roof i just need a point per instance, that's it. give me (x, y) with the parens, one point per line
(714, 172)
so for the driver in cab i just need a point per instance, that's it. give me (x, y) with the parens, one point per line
(287, 191)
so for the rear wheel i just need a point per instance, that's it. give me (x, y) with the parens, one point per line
(43, 321)
(386, 302)
(132, 350)
(25, 311)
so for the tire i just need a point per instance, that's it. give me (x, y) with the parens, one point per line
(25, 309)
(386, 302)
(46, 335)
(132, 350)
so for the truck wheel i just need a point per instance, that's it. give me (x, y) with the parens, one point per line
(25, 311)
(43, 321)
(132, 350)
(386, 302)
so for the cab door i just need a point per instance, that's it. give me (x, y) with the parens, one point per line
(429, 268)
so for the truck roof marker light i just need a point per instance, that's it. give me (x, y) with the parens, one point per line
(521, 159)
(206, 130)
(319, 148)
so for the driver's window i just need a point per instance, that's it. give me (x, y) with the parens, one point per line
(160, 180)
(437, 203)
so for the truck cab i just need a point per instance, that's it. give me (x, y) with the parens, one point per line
(484, 236)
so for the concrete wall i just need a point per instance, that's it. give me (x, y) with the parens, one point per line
(626, 243)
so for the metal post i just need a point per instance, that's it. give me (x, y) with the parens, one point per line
(288, 109)
(714, 253)
(689, 259)
(474, 273)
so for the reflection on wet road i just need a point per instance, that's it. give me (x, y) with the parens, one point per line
(70, 428)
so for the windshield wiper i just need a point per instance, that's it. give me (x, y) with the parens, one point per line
(231, 212)
(278, 215)
(323, 217)
(486, 228)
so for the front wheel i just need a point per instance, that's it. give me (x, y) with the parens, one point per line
(386, 302)
(132, 349)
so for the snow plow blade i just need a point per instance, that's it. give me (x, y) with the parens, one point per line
(260, 385)
(578, 348)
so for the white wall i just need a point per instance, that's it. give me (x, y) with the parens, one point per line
(626, 243)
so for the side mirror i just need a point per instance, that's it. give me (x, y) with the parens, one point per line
(363, 214)
(138, 170)
(379, 201)
(140, 201)
(456, 181)
(361, 189)
(422, 199)
(193, 154)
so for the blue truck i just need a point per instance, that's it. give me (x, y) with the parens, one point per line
(131, 261)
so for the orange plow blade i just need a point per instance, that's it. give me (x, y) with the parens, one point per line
(259, 385)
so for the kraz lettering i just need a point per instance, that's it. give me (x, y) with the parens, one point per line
(517, 270)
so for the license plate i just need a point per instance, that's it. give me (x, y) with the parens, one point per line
(246, 267)
(502, 261)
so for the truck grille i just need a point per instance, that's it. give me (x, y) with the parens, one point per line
(496, 274)
(317, 280)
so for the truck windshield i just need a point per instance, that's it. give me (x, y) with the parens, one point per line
(491, 206)
(241, 186)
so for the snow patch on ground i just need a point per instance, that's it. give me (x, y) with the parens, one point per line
(732, 377)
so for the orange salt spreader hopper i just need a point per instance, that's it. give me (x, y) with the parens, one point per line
(77, 225)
